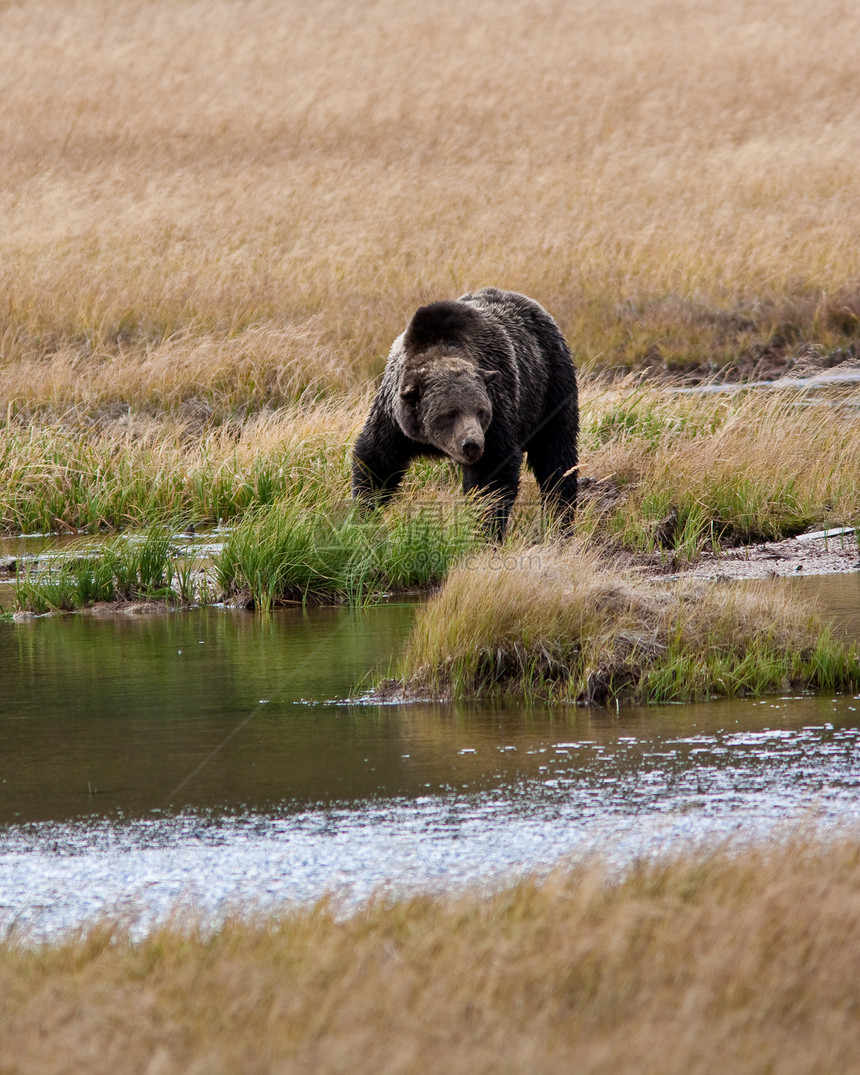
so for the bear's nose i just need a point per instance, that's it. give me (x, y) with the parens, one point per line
(471, 448)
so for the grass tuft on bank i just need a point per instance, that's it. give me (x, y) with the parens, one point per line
(559, 624)
(303, 550)
(300, 549)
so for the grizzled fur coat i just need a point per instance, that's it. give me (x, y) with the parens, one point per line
(486, 380)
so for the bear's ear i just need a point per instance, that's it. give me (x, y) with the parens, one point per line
(489, 375)
(410, 391)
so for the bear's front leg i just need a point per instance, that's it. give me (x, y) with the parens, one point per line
(496, 480)
(380, 458)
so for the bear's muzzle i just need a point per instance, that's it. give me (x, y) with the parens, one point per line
(471, 448)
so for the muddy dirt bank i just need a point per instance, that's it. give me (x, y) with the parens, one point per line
(834, 551)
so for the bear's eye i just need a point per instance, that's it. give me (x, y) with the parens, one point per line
(449, 416)
(483, 415)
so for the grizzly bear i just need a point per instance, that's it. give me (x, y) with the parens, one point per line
(482, 380)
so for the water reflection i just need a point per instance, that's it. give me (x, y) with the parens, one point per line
(838, 598)
(112, 714)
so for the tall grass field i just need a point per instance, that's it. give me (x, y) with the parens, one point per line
(215, 218)
(214, 208)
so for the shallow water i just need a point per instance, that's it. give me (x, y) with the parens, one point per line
(823, 383)
(208, 756)
(24, 552)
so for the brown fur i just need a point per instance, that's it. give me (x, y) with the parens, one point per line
(482, 380)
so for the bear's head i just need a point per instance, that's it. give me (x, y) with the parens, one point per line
(444, 402)
(443, 398)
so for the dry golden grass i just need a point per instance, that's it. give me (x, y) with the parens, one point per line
(736, 961)
(235, 202)
(217, 209)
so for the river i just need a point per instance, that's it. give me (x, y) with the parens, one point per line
(212, 759)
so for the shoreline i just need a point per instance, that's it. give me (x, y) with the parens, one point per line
(834, 551)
